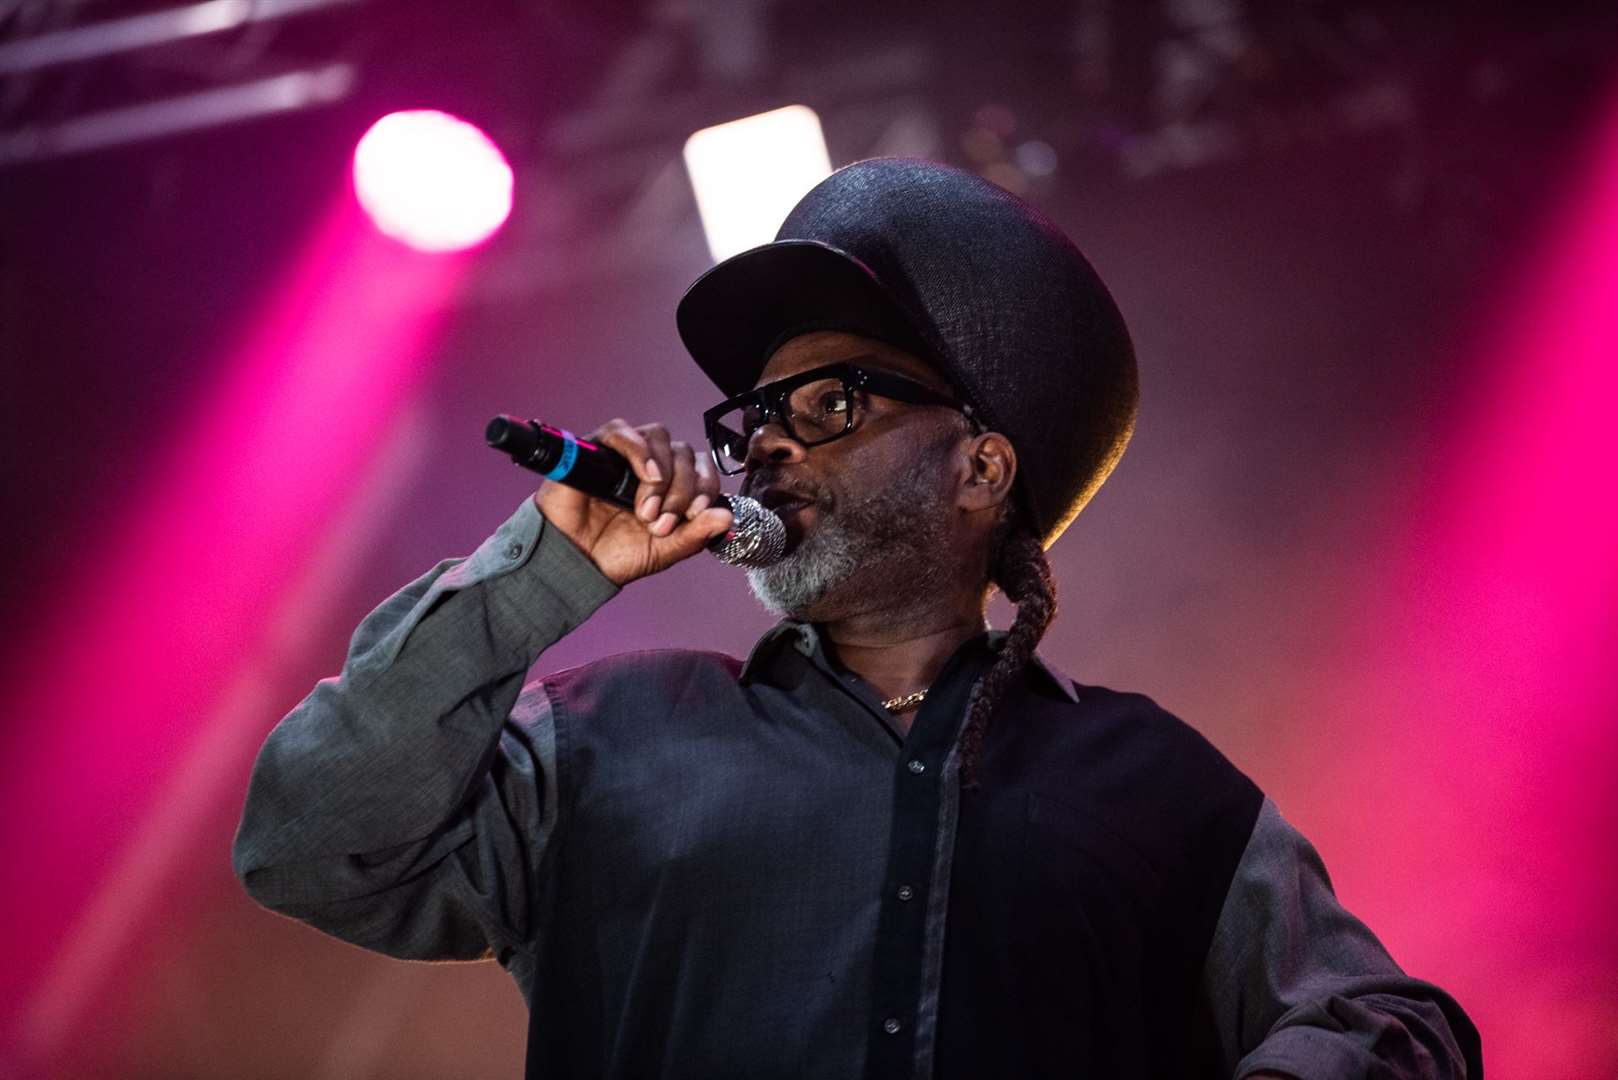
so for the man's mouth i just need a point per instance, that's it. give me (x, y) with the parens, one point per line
(787, 505)
(782, 500)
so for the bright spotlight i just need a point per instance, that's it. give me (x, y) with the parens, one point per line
(747, 174)
(431, 180)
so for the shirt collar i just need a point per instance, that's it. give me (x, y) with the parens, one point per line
(804, 638)
(784, 634)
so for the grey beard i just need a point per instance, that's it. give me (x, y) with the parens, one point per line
(824, 559)
(899, 528)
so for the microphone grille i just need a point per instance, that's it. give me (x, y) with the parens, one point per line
(757, 536)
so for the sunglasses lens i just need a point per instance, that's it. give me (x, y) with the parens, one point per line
(812, 413)
(729, 433)
(820, 410)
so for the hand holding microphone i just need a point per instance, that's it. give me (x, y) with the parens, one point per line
(635, 500)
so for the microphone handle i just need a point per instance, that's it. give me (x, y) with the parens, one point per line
(559, 455)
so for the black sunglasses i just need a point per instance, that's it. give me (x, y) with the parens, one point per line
(813, 407)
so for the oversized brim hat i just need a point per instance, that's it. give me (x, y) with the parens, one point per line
(965, 275)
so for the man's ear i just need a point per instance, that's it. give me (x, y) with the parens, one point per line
(992, 466)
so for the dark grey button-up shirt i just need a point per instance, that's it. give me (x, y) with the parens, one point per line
(693, 867)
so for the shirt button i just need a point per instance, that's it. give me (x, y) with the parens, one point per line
(514, 551)
(916, 767)
(891, 1026)
(906, 892)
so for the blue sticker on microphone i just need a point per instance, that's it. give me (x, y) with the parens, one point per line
(570, 454)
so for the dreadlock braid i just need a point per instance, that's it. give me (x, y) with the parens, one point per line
(1019, 569)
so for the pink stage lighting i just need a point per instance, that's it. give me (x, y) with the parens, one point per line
(432, 181)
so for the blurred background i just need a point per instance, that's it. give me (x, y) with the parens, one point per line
(1365, 538)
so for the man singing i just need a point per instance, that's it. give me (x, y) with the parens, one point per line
(891, 842)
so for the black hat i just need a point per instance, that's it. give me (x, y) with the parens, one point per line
(946, 265)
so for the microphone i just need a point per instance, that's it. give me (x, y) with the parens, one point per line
(757, 537)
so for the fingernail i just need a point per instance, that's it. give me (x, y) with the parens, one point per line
(698, 505)
(653, 473)
(665, 524)
(648, 508)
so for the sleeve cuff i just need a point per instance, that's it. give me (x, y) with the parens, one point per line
(534, 571)
(1309, 1052)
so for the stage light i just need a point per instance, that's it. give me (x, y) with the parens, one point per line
(432, 181)
(747, 174)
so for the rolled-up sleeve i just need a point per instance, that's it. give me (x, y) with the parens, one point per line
(406, 805)
(1297, 985)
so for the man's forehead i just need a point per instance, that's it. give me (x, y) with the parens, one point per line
(831, 346)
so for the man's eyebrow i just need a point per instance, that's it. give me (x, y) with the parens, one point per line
(845, 360)
(936, 383)
(878, 362)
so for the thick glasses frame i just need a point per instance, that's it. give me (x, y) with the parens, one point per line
(770, 399)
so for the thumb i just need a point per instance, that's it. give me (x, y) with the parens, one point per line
(690, 537)
(712, 522)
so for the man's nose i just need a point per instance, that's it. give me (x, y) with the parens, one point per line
(771, 445)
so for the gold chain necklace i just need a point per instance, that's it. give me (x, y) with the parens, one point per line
(900, 704)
